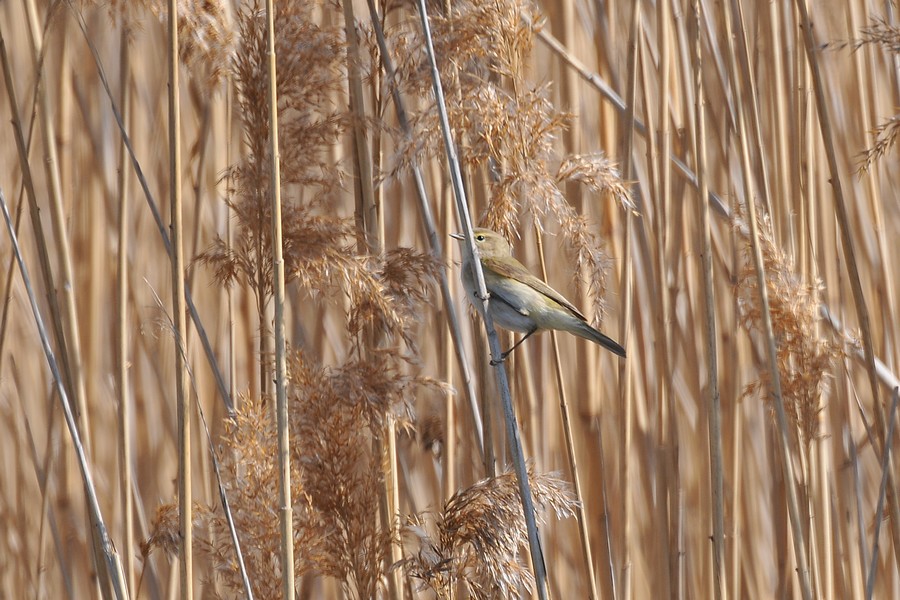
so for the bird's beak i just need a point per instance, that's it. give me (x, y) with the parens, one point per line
(457, 236)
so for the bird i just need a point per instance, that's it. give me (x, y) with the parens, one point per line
(519, 301)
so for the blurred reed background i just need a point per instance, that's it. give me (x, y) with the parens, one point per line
(565, 114)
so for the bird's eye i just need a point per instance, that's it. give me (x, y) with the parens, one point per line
(480, 238)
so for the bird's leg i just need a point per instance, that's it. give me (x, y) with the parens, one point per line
(503, 356)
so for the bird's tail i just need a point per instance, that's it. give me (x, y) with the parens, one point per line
(589, 333)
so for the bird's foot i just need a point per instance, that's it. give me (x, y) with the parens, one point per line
(503, 356)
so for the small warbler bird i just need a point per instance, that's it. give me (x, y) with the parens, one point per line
(519, 301)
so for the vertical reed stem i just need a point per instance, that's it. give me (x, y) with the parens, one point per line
(125, 442)
(284, 444)
(185, 495)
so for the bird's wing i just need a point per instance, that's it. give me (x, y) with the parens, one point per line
(515, 270)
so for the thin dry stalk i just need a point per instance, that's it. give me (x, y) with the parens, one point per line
(713, 407)
(581, 510)
(122, 380)
(285, 511)
(626, 325)
(662, 221)
(179, 326)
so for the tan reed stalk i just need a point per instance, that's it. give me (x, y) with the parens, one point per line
(668, 476)
(737, 507)
(285, 511)
(449, 459)
(742, 54)
(122, 356)
(179, 327)
(662, 548)
(72, 345)
(779, 113)
(580, 511)
(848, 247)
(626, 324)
(713, 408)
(790, 483)
(229, 239)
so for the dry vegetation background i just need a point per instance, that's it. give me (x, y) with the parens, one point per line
(376, 391)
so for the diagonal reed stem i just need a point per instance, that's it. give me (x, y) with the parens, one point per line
(512, 429)
(113, 566)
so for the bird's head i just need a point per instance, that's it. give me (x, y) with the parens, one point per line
(489, 243)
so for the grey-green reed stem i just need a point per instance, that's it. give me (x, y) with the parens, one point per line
(183, 406)
(847, 244)
(512, 430)
(122, 380)
(113, 565)
(154, 210)
(434, 242)
(787, 461)
(879, 512)
(713, 408)
(285, 511)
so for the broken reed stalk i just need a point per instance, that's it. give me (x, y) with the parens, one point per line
(111, 570)
(713, 407)
(122, 382)
(580, 511)
(179, 327)
(787, 461)
(847, 244)
(512, 430)
(285, 511)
